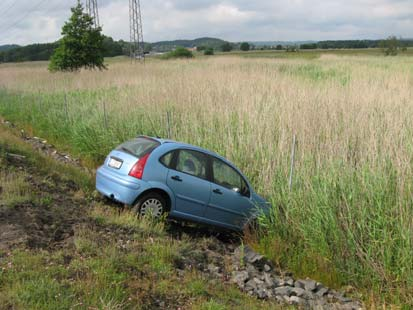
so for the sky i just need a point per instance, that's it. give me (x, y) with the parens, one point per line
(32, 21)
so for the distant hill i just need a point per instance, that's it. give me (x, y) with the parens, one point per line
(164, 46)
(8, 47)
(283, 43)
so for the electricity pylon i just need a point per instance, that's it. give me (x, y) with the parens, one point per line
(137, 50)
(92, 10)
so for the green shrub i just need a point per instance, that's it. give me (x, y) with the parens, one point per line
(226, 47)
(209, 51)
(245, 46)
(179, 52)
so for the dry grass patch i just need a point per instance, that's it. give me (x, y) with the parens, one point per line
(14, 188)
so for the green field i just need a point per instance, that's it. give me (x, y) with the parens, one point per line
(348, 218)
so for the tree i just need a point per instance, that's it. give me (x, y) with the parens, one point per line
(179, 52)
(111, 48)
(81, 45)
(226, 47)
(209, 51)
(390, 46)
(308, 46)
(244, 46)
(279, 47)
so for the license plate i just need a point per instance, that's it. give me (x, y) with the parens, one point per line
(114, 163)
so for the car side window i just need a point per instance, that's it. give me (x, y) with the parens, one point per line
(192, 162)
(166, 159)
(228, 177)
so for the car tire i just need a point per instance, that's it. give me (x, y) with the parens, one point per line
(151, 202)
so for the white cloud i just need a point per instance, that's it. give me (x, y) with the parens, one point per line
(227, 15)
(234, 20)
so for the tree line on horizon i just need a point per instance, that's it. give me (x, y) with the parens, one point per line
(112, 48)
(354, 44)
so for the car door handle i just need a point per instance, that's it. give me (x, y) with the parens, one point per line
(217, 191)
(176, 178)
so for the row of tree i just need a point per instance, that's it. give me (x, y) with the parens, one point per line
(111, 48)
(356, 44)
(391, 43)
(36, 52)
(227, 47)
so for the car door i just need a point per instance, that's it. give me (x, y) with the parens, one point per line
(188, 181)
(230, 202)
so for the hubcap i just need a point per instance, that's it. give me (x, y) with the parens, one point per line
(152, 206)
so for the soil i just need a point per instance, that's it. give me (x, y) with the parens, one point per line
(48, 221)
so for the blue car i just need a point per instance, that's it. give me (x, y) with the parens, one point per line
(160, 176)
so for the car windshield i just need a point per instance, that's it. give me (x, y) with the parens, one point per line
(138, 147)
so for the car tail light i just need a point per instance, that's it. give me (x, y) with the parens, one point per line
(137, 169)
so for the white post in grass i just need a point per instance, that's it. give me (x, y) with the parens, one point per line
(168, 122)
(66, 109)
(290, 181)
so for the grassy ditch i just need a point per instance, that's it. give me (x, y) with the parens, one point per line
(78, 254)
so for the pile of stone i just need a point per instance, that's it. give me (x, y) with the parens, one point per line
(48, 149)
(256, 275)
(44, 147)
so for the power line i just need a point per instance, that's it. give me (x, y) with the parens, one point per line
(50, 9)
(5, 11)
(6, 4)
(34, 8)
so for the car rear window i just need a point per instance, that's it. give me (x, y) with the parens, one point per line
(138, 147)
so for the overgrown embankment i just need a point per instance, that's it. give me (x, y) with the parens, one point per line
(61, 250)
(44, 210)
(348, 218)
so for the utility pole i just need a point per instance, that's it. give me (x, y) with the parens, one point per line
(137, 50)
(92, 10)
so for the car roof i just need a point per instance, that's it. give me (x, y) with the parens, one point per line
(183, 144)
(196, 148)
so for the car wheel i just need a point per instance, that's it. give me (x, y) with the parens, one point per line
(151, 203)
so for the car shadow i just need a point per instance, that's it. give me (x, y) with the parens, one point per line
(178, 229)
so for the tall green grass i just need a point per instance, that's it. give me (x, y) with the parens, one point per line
(348, 218)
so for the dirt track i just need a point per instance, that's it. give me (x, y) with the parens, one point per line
(48, 220)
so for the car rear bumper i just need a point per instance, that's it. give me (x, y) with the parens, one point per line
(118, 188)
